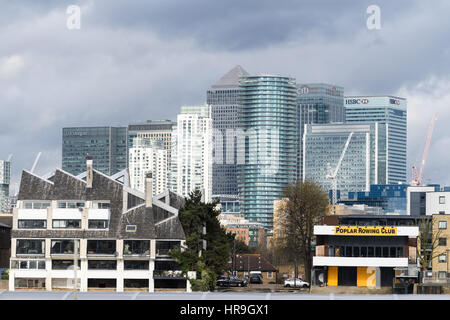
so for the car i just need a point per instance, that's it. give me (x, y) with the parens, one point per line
(255, 278)
(230, 281)
(295, 283)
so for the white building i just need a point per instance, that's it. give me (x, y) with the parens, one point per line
(192, 152)
(148, 156)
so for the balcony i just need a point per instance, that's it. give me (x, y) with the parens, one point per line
(136, 248)
(169, 274)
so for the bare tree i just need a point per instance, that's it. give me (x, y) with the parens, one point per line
(304, 206)
(427, 242)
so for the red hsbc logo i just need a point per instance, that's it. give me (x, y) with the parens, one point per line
(365, 101)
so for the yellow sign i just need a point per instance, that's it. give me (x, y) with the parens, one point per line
(365, 231)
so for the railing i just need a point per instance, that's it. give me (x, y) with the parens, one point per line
(162, 252)
(175, 274)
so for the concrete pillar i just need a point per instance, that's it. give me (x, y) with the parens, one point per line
(89, 171)
(48, 268)
(119, 281)
(12, 276)
(151, 280)
(83, 275)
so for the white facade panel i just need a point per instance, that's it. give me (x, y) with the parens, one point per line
(437, 203)
(32, 214)
(67, 214)
(98, 214)
(360, 262)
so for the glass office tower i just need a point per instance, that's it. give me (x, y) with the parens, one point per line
(107, 145)
(388, 110)
(268, 144)
(363, 163)
(223, 97)
(318, 103)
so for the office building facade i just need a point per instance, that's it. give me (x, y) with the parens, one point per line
(392, 112)
(223, 97)
(267, 149)
(107, 145)
(363, 163)
(318, 103)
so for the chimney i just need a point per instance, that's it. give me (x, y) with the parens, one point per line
(89, 170)
(148, 190)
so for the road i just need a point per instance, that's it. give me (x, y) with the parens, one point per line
(50, 295)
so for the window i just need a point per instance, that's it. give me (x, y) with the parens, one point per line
(163, 247)
(441, 199)
(37, 205)
(442, 275)
(131, 228)
(442, 224)
(32, 224)
(442, 258)
(71, 223)
(136, 247)
(102, 264)
(25, 246)
(269, 274)
(70, 204)
(63, 246)
(64, 264)
(101, 246)
(28, 264)
(136, 265)
(443, 241)
(102, 205)
(98, 224)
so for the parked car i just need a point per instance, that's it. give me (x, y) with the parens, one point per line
(295, 283)
(230, 281)
(255, 278)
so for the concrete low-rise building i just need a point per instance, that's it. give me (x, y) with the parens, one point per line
(363, 250)
(123, 236)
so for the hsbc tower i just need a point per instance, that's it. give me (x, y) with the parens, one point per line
(389, 110)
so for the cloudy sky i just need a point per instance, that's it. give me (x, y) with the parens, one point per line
(142, 59)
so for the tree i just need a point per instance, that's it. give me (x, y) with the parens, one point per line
(427, 243)
(304, 206)
(209, 262)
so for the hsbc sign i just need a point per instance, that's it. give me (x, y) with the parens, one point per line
(356, 101)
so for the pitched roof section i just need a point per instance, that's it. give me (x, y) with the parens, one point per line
(252, 262)
(230, 79)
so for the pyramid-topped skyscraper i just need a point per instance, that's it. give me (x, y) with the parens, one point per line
(223, 96)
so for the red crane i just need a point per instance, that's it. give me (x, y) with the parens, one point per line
(417, 177)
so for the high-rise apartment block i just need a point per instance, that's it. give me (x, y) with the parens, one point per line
(107, 145)
(148, 156)
(152, 130)
(5, 179)
(268, 147)
(191, 163)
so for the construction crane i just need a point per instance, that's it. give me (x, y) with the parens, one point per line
(332, 175)
(417, 177)
(35, 162)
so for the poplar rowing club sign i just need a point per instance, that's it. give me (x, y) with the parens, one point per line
(365, 231)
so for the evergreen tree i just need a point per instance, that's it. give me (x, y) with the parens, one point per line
(209, 263)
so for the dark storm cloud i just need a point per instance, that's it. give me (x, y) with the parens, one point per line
(140, 59)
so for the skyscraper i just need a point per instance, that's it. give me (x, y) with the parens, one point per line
(364, 160)
(5, 179)
(223, 96)
(391, 111)
(152, 130)
(267, 149)
(191, 162)
(148, 156)
(318, 103)
(108, 146)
